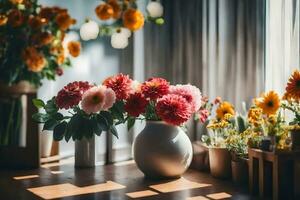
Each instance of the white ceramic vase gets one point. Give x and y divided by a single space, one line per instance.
162 150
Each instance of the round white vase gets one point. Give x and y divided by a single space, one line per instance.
162 150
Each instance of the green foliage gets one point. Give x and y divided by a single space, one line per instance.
79 124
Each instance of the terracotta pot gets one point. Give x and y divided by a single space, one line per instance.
162 150
220 162
240 171
295 136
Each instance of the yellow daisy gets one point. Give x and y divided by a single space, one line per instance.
268 102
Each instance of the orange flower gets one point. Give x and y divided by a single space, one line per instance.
116 8
15 18
74 48
133 19
60 59
42 38
34 60
16 1
64 20
36 22
3 20
269 102
293 86
223 109
104 11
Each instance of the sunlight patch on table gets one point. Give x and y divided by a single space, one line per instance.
25 177
177 185
140 194
197 198
221 195
67 189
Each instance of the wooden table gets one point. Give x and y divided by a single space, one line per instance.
258 161
15 185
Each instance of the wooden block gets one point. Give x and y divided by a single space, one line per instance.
177 185
140 194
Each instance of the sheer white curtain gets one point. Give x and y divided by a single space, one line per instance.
282 42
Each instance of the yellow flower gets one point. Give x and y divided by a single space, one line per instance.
133 19
224 108
34 60
228 116
268 102
74 48
255 116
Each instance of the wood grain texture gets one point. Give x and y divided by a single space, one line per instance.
87 184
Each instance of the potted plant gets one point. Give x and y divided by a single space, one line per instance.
161 146
201 158
222 127
31 49
291 103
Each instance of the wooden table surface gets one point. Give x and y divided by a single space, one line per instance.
92 183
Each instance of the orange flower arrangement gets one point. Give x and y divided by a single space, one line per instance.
74 48
268 102
223 109
133 19
293 87
35 34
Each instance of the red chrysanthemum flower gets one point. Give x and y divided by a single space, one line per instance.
136 104
71 94
155 88
173 109
120 84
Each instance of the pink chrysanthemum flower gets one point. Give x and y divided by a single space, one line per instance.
173 109
93 100
191 93
155 88
120 84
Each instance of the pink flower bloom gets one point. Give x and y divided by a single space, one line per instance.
173 109
217 100
110 98
203 115
120 84
93 99
191 93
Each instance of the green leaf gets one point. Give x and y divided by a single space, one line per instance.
96 127
57 116
108 117
74 127
117 110
59 131
51 107
114 131
102 123
40 117
38 103
50 124
130 123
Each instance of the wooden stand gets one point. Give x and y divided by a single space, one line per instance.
281 167
27 156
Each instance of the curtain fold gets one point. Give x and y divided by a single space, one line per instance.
217 45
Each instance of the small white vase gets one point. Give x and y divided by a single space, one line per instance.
46 143
162 150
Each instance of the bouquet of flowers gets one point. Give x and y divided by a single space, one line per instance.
31 41
120 18
93 109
